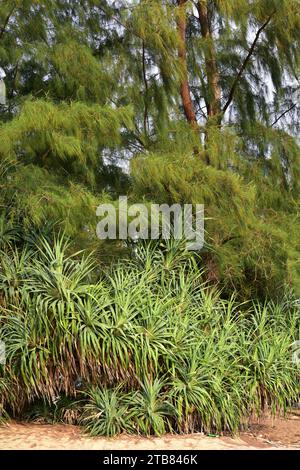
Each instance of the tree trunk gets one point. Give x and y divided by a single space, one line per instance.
213 101
184 87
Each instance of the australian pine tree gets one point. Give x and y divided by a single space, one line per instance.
60 115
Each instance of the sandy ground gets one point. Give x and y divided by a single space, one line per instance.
265 434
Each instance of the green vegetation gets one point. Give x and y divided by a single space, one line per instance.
202 97
165 101
142 347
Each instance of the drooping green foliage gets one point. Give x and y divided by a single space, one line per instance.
211 85
59 121
144 347
248 246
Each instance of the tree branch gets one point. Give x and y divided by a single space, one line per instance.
245 63
283 114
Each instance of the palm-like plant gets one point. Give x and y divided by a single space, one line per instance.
57 276
153 347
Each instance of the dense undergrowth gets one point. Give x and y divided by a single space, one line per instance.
141 347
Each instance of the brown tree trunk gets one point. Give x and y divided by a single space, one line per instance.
185 91
213 103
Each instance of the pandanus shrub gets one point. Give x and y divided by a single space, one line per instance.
143 346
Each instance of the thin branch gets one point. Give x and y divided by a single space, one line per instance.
283 114
2 30
245 63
